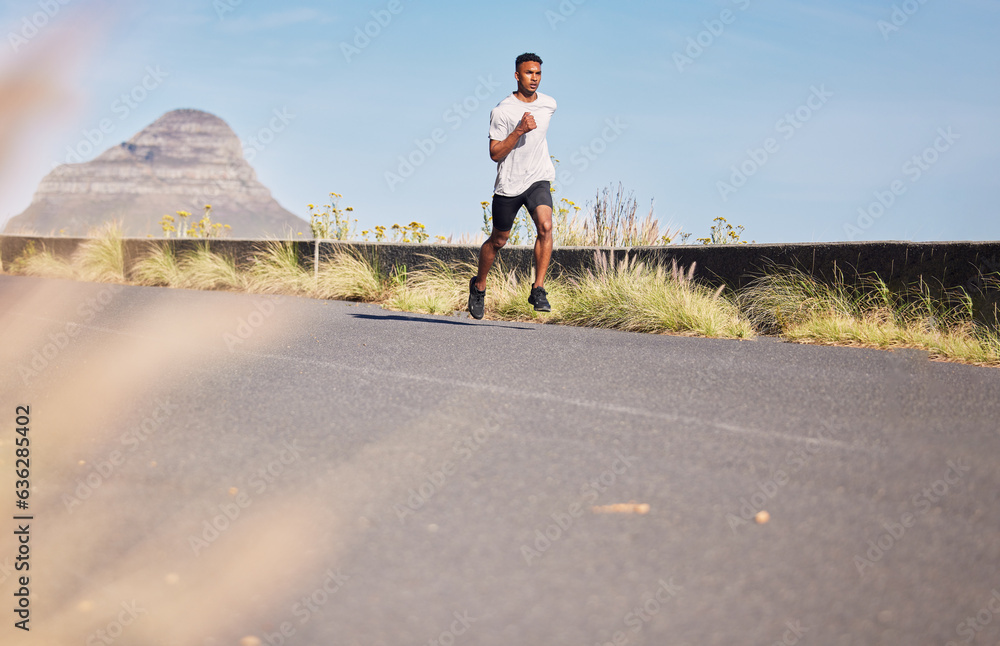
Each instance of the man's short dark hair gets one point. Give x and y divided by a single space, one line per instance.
527 57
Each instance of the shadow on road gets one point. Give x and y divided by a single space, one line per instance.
417 319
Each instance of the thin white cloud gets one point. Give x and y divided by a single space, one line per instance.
185 19
277 20
857 16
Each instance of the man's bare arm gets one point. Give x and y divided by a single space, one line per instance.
500 149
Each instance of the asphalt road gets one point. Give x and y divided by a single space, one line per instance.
207 468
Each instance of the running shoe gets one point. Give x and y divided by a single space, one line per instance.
539 299
477 300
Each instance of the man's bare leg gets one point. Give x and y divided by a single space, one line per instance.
488 255
543 243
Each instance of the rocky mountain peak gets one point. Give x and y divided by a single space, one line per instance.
181 162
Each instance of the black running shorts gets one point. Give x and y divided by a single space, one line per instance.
505 208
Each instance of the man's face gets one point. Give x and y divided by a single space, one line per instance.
528 75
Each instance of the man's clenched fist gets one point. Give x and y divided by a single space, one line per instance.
527 123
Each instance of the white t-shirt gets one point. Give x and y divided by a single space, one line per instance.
529 161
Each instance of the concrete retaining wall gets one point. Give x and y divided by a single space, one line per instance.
946 264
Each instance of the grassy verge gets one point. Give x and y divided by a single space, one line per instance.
159 269
435 289
626 296
633 296
353 276
799 308
42 263
277 269
102 259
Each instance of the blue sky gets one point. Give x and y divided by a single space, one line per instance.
801 121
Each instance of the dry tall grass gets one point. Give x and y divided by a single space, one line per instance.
102 258
802 309
610 221
277 269
632 296
628 295
351 275
204 269
159 269
43 264
437 288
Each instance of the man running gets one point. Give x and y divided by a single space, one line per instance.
524 172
